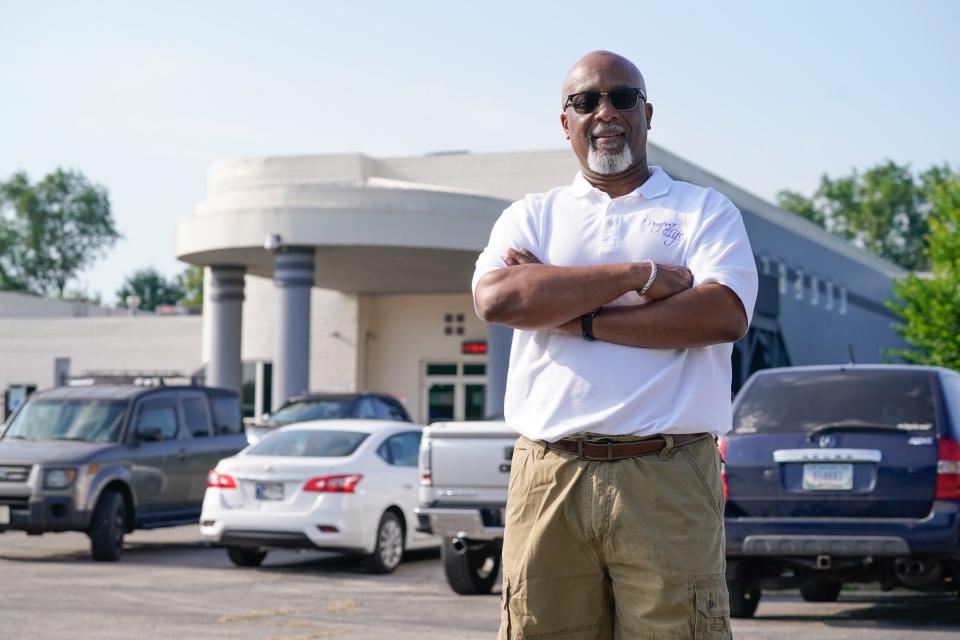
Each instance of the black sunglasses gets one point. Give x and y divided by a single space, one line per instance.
624 99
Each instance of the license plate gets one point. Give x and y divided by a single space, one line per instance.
4 514
827 477
269 491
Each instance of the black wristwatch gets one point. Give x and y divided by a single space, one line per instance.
586 324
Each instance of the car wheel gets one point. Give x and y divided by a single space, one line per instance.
817 590
744 598
246 556
472 571
388 551
107 527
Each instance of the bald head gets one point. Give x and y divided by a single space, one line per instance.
589 70
608 134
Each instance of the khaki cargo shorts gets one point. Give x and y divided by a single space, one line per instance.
629 549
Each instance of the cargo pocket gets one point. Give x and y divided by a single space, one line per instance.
711 617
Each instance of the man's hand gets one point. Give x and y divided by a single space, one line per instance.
671 280
531 295
516 257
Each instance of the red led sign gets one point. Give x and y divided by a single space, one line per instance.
474 347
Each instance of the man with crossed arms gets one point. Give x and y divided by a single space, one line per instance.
625 290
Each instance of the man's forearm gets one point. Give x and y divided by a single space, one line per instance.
699 317
538 296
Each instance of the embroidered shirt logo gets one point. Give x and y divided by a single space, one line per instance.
671 232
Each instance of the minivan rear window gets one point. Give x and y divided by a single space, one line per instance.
801 401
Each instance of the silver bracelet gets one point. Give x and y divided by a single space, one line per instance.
653 276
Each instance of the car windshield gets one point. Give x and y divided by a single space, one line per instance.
86 420
303 410
807 401
309 443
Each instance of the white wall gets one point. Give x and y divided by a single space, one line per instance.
406 331
28 347
14 304
334 341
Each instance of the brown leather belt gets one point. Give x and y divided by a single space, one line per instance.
599 449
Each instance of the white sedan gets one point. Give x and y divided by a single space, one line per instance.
347 485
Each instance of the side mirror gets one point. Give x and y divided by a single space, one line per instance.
149 434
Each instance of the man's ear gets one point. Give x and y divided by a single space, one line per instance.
565 124
648 109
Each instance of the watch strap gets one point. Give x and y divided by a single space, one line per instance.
586 325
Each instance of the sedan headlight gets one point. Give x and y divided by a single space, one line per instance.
59 478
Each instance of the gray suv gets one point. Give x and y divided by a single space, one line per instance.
110 459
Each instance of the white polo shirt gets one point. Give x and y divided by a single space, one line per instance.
559 385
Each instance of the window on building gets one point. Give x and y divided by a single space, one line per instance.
248 389
453 324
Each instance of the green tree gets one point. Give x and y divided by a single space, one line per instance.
191 283
151 287
883 210
51 230
929 304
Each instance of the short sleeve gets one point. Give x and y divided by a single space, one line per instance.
720 252
515 229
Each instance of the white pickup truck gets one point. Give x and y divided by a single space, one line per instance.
464 471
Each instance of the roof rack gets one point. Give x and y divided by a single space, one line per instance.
135 378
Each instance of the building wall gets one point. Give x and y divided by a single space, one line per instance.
14 304
28 347
407 331
333 333
334 341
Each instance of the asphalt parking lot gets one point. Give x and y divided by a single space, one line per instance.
168 585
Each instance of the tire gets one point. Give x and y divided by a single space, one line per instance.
246 556
388 551
473 572
744 598
818 590
107 527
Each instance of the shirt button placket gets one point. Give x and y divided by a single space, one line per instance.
609 232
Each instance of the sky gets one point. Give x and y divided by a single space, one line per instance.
144 97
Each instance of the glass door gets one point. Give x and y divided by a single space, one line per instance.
454 391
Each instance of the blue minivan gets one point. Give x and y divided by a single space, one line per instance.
843 474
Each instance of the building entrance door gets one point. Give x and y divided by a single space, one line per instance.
454 390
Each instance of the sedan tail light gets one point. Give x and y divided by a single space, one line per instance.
333 484
723 467
217 480
948 469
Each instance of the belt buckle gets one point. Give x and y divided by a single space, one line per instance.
583 456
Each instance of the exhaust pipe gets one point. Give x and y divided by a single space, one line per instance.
459 546
919 574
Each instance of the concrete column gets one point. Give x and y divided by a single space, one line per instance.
293 276
499 339
225 306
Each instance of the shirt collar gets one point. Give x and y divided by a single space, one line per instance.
657 184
